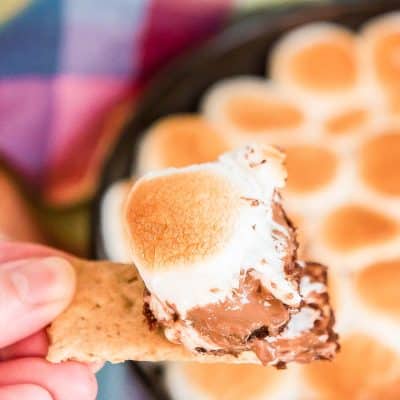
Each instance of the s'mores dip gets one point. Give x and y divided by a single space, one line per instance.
217 255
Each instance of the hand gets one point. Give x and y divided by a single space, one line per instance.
36 285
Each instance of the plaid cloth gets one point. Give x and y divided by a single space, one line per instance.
71 70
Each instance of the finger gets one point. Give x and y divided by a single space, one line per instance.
24 392
65 381
32 293
11 251
33 346
96 366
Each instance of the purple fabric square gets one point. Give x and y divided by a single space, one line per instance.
100 37
79 105
25 119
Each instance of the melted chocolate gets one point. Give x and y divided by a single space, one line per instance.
236 327
232 322
252 319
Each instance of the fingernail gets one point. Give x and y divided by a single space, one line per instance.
42 280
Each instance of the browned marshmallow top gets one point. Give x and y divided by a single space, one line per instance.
179 218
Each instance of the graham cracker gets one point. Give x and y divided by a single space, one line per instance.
105 322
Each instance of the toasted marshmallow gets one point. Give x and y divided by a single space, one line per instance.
317 61
222 381
374 366
377 286
249 109
113 231
195 230
380 46
178 141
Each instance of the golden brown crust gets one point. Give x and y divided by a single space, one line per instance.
179 141
380 162
347 121
309 167
330 64
384 53
378 286
256 113
181 218
231 382
354 226
374 371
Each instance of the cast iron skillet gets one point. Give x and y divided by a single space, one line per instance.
239 50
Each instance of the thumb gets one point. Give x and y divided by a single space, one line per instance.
32 293
24 391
